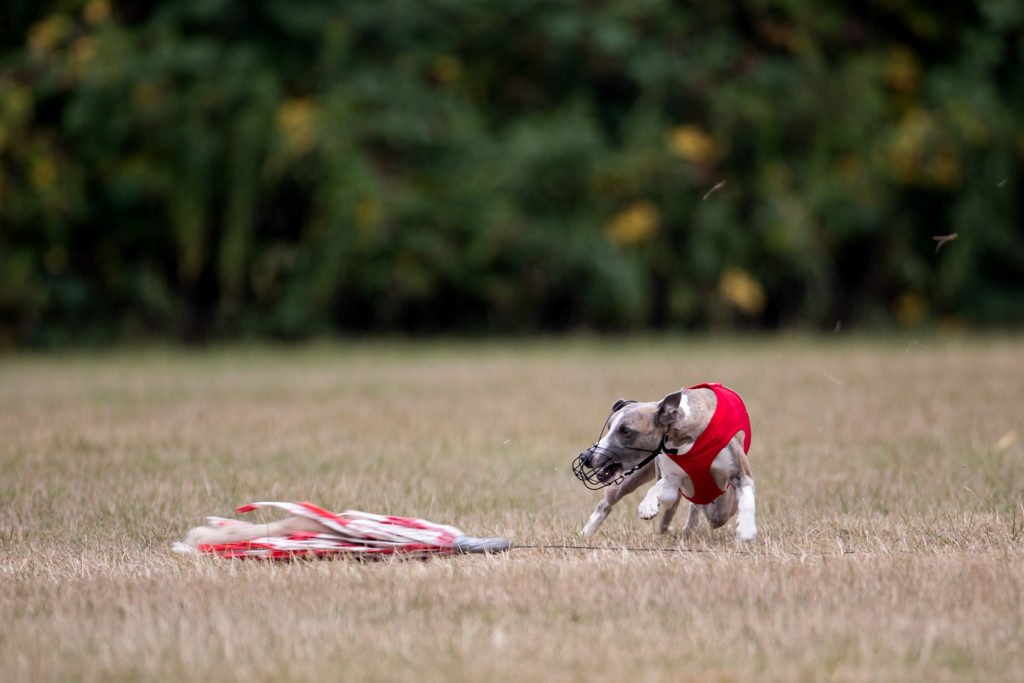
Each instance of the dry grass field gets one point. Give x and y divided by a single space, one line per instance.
890 507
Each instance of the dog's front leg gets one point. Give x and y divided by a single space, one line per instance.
664 491
652 501
665 525
666 519
601 512
614 494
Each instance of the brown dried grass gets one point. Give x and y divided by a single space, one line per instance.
890 514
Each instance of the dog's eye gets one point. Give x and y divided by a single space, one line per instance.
624 430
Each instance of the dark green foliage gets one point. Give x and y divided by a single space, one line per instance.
203 168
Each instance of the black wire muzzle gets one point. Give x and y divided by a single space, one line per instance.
596 478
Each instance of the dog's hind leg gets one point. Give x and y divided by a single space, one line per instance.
746 526
692 519
722 509
616 493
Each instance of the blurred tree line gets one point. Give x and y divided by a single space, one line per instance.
220 168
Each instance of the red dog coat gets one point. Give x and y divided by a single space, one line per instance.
730 417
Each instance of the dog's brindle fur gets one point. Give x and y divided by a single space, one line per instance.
680 418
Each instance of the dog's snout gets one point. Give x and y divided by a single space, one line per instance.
585 456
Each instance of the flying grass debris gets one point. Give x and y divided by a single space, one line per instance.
1008 439
940 240
718 186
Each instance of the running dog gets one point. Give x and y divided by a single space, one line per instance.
694 441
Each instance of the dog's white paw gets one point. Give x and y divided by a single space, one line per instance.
648 508
746 530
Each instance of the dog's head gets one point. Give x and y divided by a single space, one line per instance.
632 435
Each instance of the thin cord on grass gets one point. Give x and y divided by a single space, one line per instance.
648 550
608 547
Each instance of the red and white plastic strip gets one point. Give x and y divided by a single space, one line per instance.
354 533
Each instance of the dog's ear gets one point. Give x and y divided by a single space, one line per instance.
668 408
620 403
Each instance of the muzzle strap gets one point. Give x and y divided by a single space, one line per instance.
596 479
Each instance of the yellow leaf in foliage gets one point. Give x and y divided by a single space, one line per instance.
296 119
82 51
147 94
739 288
46 34
910 309
366 214
945 167
922 152
692 143
637 223
43 172
96 11
447 69
15 103
902 72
